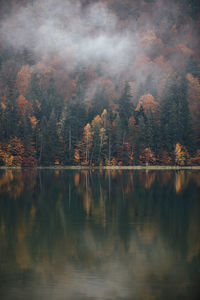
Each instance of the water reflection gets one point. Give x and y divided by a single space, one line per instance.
99 235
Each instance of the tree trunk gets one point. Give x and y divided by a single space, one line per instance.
70 139
109 150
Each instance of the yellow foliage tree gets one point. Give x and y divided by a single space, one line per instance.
85 145
182 156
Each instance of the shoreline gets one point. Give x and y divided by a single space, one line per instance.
104 168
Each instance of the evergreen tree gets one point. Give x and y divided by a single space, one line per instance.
81 85
11 118
153 132
99 102
107 118
192 67
142 133
96 129
1 123
185 123
51 99
74 118
176 122
49 140
125 108
34 89
150 87
117 139
169 120
25 128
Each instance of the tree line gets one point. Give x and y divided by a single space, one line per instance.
44 129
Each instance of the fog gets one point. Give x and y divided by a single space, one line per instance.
155 38
64 28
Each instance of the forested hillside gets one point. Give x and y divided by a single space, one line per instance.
110 82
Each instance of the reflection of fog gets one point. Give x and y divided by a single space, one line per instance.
83 235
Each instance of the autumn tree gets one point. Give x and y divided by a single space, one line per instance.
182 156
99 140
85 145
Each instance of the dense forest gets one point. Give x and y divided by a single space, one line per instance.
99 82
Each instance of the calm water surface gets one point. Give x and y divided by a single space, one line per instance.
99 235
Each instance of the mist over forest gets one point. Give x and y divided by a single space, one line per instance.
106 82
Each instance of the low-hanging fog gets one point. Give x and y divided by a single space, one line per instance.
130 39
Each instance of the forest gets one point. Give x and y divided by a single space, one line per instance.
97 83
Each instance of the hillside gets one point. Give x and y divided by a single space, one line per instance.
99 82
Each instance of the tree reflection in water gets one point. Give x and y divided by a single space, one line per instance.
99 235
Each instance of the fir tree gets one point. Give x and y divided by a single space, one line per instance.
125 107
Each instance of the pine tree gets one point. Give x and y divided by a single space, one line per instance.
1 123
125 107
117 138
176 122
96 129
99 102
169 121
73 120
49 140
185 124
192 67
150 87
25 129
106 149
11 117
153 132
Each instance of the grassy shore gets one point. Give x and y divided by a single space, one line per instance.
108 167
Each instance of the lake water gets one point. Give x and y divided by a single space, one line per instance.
99 235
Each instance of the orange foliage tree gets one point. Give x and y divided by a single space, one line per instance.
23 78
148 157
182 156
84 147
165 158
195 160
23 105
148 103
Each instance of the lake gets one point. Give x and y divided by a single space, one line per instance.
68 234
